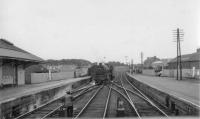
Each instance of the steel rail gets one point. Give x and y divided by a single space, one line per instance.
131 91
51 112
151 103
30 112
136 88
107 101
84 91
124 96
130 99
88 102
85 87
146 98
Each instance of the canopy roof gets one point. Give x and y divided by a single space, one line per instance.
9 51
188 58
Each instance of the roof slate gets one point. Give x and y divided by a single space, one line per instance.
8 50
188 57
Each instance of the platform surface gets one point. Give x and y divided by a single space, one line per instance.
187 90
16 92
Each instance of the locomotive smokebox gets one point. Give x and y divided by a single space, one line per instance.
102 74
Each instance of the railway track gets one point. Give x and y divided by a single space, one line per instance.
129 109
101 101
143 106
97 105
43 111
159 108
51 107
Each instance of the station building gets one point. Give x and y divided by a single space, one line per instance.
188 61
13 62
190 64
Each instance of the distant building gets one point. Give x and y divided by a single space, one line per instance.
148 62
189 61
13 62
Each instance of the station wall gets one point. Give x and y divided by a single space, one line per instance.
44 77
186 73
8 74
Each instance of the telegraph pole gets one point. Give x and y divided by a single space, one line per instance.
131 66
178 34
142 59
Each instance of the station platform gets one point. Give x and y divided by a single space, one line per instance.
13 93
186 90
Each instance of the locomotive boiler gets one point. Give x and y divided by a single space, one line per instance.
101 74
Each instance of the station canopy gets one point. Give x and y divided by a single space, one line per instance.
9 51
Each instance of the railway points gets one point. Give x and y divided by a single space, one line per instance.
94 104
143 105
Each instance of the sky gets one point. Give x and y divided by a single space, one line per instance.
98 30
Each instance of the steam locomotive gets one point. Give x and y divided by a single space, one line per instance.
101 74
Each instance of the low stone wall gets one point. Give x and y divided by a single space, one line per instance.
44 77
174 104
